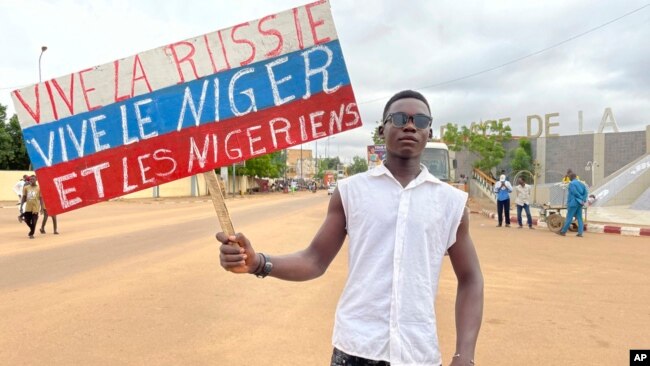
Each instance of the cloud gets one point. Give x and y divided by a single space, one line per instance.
388 46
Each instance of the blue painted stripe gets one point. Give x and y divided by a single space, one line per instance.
159 112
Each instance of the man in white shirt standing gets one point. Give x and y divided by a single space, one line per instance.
18 188
386 314
523 202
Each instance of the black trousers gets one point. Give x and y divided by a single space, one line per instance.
31 218
340 358
501 207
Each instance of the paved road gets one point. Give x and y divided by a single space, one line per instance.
138 283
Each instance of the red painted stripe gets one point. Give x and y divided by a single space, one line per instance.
612 229
149 162
645 231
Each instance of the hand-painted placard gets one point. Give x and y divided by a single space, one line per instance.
187 107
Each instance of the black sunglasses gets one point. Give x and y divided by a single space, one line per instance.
400 119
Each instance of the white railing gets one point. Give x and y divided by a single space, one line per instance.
484 183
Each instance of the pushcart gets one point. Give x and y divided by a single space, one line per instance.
554 213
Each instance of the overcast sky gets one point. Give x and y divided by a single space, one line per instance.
388 46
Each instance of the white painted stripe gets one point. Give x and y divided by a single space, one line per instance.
595 228
630 231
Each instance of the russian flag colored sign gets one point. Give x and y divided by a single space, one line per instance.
187 107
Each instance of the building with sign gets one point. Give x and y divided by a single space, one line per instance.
301 164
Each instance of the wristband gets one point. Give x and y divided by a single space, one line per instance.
265 269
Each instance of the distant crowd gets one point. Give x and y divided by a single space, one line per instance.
577 200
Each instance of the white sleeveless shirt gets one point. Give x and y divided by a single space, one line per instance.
397 240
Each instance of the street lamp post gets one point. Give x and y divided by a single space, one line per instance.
327 151
591 165
43 49
327 148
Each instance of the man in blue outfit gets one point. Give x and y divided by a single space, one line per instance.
503 188
577 198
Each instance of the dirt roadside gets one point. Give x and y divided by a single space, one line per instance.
138 283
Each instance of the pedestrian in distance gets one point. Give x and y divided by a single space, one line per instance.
32 200
566 179
18 189
503 188
575 202
385 315
523 202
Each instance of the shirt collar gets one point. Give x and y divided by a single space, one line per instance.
424 175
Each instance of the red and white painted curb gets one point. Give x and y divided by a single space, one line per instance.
589 227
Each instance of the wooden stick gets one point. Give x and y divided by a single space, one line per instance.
215 186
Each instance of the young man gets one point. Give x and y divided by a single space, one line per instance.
33 201
386 315
523 202
577 199
503 188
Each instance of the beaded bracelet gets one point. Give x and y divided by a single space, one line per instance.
471 362
261 264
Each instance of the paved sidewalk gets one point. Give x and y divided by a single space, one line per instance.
622 215
591 227
611 220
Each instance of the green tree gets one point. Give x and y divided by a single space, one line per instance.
13 155
525 144
265 166
376 139
455 138
359 165
3 113
329 163
522 156
7 149
21 159
326 164
485 139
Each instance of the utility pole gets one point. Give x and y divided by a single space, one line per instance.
316 160
285 167
43 49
